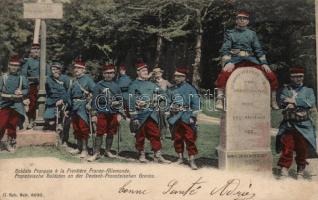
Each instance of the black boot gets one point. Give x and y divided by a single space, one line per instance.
109 143
11 142
84 152
78 148
301 172
98 144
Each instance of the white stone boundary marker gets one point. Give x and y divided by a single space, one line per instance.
245 141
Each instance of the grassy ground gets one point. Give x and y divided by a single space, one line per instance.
208 139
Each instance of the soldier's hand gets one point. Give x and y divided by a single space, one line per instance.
290 106
26 101
119 117
66 113
59 102
192 121
266 68
229 67
94 118
18 92
290 100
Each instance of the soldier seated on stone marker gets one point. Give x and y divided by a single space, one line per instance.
14 88
296 131
57 99
240 48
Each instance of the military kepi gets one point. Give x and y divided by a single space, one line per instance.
296 71
122 67
243 13
35 46
109 67
14 60
141 65
181 71
79 63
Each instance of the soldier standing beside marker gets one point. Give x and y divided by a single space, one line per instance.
144 119
296 132
80 94
14 88
184 109
108 103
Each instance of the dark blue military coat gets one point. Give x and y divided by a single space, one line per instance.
56 90
186 96
102 101
8 84
243 40
78 97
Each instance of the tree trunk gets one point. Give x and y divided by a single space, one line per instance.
158 49
197 60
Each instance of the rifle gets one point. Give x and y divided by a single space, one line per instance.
156 106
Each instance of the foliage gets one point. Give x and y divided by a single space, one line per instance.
124 31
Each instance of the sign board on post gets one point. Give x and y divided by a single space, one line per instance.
43 10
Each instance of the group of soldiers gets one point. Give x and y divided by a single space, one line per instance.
96 109
146 101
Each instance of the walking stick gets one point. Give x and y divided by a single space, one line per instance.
118 139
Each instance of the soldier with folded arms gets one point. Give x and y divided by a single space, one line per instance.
185 105
296 131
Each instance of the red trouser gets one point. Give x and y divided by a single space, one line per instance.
33 96
9 121
293 141
149 130
107 124
183 133
81 128
224 76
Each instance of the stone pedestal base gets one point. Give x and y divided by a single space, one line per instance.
245 160
36 138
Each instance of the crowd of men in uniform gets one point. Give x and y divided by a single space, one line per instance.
82 102
96 109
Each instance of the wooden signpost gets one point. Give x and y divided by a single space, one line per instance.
40 11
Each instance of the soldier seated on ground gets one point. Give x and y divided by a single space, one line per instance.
242 48
57 99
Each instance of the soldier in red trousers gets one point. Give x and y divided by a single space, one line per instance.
14 88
